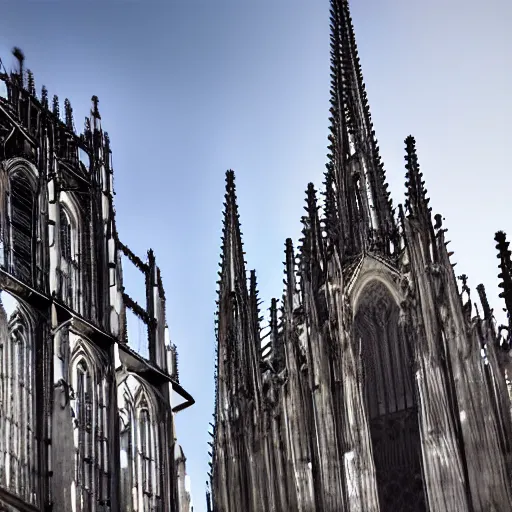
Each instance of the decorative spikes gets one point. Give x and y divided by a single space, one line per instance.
313 246
233 268
352 140
175 368
68 111
55 107
254 304
331 210
277 347
416 195
291 283
336 79
505 275
31 85
485 303
44 96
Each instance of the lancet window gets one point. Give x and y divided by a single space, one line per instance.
127 465
22 202
147 463
69 271
18 448
65 235
145 451
140 459
390 401
90 438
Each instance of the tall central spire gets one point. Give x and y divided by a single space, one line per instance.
359 212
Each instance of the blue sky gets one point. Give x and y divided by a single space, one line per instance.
189 89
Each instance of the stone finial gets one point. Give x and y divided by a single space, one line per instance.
44 96
31 85
68 111
94 110
56 108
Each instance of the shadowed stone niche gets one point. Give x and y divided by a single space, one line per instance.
390 401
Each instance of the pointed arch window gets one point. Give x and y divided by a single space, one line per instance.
18 445
65 235
22 225
390 400
92 477
145 451
69 271
148 459
127 467
84 421
141 472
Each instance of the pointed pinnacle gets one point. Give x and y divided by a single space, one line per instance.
417 200
485 303
505 266
56 109
94 111
31 86
44 96
232 261
68 112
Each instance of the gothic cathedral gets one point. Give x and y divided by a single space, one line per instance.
86 422
386 388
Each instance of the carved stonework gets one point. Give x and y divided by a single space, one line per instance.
395 397
62 348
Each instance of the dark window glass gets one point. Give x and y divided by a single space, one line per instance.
65 235
22 209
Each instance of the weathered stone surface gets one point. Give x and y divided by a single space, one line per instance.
86 423
381 390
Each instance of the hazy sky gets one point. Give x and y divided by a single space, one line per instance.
189 89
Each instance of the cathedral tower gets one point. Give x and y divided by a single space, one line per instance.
86 422
385 390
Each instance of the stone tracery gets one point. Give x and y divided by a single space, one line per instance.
63 346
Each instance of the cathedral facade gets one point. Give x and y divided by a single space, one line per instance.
86 422
382 385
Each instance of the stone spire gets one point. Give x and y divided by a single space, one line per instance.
417 202
238 386
68 110
356 197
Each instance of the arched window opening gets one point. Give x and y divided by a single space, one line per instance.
22 223
18 445
145 451
65 235
126 456
92 477
148 460
141 473
390 401
84 470
69 285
